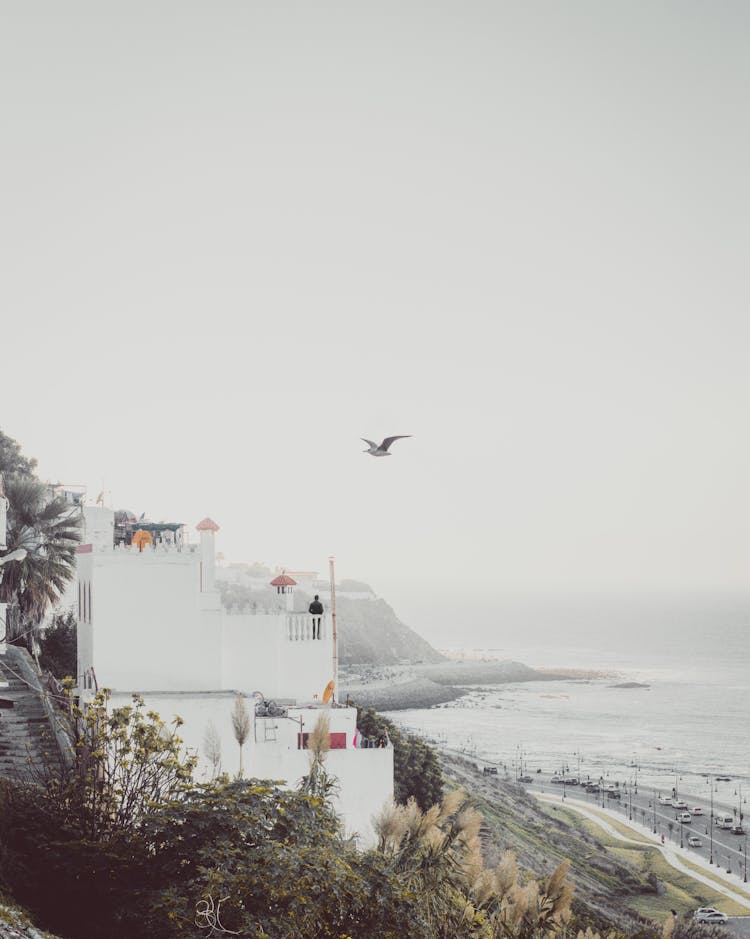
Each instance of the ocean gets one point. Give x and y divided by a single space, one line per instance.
691 724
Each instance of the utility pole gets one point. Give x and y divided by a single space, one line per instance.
654 805
333 625
711 823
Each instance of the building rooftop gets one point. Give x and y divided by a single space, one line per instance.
283 580
208 524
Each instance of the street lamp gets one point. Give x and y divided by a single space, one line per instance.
744 862
654 805
18 555
711 824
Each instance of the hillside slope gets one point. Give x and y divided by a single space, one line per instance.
516 821
371 633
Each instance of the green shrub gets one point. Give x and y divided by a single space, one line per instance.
416 767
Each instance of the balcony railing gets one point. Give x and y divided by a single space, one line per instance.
300 627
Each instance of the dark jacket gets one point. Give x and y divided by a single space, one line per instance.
316 607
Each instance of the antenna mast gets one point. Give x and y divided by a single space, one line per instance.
333 623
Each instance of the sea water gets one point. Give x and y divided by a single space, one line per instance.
689 724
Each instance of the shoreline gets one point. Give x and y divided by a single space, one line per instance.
411 687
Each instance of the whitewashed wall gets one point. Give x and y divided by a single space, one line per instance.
365 777
149 629
258 655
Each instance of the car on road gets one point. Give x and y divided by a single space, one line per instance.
665 800
695 842
684 818
524 779
738 830
697 810
678 804
592 787
712 918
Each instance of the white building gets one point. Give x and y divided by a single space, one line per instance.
150 621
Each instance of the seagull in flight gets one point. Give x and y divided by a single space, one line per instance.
381 449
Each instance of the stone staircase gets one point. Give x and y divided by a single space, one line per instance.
24 727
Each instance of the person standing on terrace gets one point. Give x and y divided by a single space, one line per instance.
316 608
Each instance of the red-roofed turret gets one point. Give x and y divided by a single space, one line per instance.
208 524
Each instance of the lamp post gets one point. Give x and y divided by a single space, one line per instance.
740 813
654 805
711 824
744 862
18 554
332 576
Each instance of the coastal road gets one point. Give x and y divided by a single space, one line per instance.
719 847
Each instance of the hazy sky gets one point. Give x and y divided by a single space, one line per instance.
238 236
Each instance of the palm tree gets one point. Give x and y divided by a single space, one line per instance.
48 530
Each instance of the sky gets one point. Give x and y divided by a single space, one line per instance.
236 237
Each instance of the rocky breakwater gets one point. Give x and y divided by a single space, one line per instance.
421 686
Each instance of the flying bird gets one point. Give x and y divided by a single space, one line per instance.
381 449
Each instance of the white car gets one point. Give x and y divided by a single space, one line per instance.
713 918
684 818
697 810
678 804
695 842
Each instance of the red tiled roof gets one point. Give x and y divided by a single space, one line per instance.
283 580
208 524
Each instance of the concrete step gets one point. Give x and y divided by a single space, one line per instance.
24 728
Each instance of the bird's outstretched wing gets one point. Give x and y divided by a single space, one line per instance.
389 440
371 442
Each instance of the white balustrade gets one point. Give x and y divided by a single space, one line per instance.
299 627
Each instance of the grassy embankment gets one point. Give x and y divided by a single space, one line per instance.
681 891
617 884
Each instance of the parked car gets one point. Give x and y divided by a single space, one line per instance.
697 810
738 830
713 917
684 818
695 842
